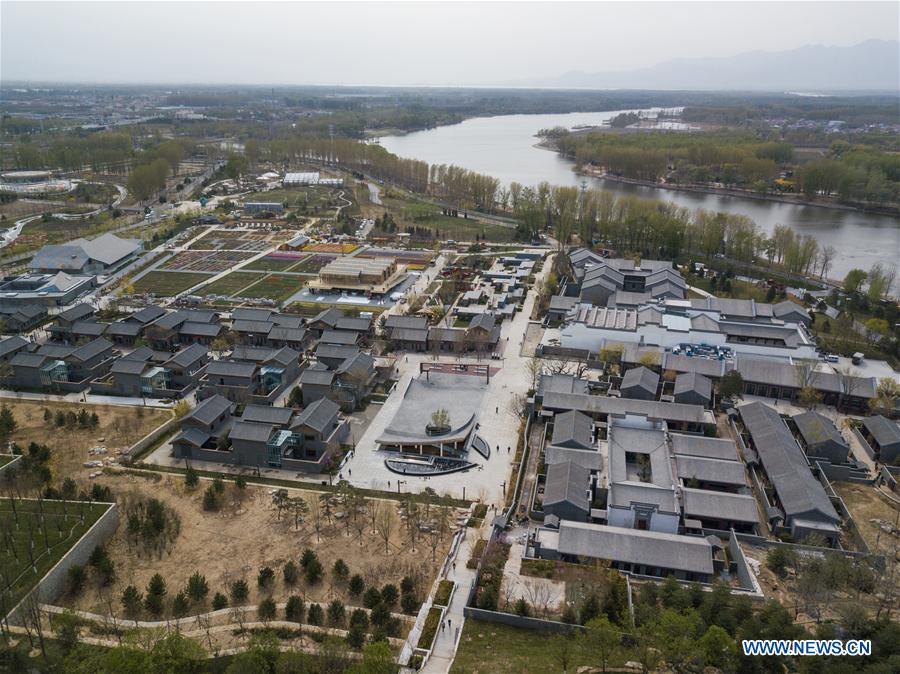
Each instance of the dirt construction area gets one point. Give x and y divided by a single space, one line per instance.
249 532
118 428
873 513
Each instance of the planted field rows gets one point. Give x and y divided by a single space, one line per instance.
36 535
168 283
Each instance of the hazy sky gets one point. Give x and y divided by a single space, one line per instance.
402 42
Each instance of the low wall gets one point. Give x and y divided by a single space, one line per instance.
867 448
844 472
53 583
523 622
889 476
10 464
745 574
164 428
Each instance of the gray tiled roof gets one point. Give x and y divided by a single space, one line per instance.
288 320
336 351
227 368
317 376
89 328
245 430
55 350
92 349
76 313
651 548
800 494
573 429
640 378
200 329
411 322
561 383
107 248
698 445
11 345
210 409
483 321
361 364
688 382
147 314
710 470
124 329
410 335
338 337
252 314
266 414
885 431
286 334
192 436
67 257
717 505
284 356
816 428
188 355
128 366
353 324
144 353
28 360
567 482
318 415
257 327
254 354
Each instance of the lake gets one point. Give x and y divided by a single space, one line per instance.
504 147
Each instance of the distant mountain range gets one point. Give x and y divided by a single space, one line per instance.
873 65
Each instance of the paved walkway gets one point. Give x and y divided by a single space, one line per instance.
447 639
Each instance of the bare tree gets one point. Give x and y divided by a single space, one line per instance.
315 514
534 367
826 255
384 523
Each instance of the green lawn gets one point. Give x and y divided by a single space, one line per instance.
276 287
740 290
228 285
492 648
168 283
60 526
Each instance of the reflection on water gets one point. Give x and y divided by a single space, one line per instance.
504 147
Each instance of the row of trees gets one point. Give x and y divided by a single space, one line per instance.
728 157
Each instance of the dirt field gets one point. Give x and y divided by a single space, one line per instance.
119 427
247 535
866 506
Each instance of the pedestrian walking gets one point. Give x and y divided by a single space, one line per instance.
443 626
454 566
450 623
349 471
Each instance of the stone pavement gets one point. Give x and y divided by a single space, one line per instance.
447 638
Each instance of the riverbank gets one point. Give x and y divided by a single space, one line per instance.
599 174
731 192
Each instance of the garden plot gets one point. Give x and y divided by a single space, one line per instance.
277 262
37 534
277 287
312 264
230 284
205 261
340 248
168 283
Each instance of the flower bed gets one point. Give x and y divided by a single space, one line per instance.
444 592
429 630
